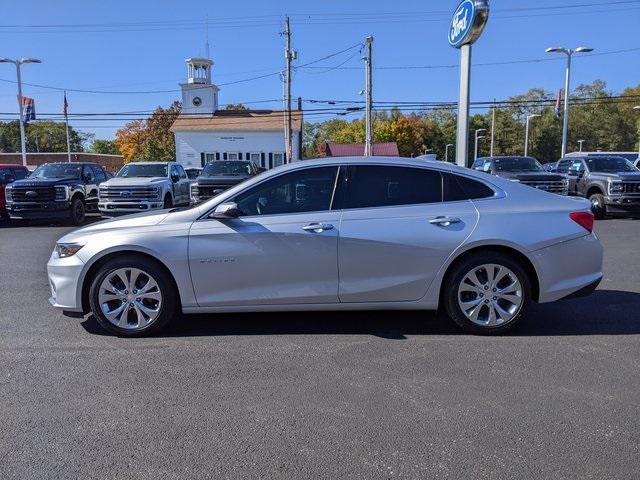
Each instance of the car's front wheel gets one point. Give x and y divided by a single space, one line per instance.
131 296
77 213
598 206
487 293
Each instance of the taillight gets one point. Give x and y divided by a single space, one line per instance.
584 219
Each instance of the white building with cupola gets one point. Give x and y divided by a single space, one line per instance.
205 133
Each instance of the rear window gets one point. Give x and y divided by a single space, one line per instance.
458 188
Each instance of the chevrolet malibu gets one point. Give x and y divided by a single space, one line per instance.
336 234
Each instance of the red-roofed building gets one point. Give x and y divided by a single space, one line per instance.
384 149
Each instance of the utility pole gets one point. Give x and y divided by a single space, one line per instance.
493 127
18 63
368 144
289 55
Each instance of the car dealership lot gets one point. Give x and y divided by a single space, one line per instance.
363 395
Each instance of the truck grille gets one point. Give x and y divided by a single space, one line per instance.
21 193
552 186
631 187
128 194
208 191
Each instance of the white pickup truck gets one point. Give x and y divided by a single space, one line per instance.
143 186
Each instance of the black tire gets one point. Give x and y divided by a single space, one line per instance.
455 276
168 307
168 201
78 210
598 206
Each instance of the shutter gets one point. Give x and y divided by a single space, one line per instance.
248 156
262 162
202 159
217 155
239 155
270 160
224 156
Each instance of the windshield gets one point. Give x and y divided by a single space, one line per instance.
192 173
57 170
517 164
143 170
609 164
232 168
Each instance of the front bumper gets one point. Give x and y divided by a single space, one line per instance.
64 280
568 267
114 208
619 204
34 211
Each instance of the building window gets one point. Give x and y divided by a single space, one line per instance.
232 156
278 159
255 157
209 157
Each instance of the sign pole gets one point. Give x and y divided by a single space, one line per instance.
462 135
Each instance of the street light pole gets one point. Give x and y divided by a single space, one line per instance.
446 151
526 133
368 138
18 63
637 108
475 150
567 82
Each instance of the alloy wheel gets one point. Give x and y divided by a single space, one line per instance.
130 298
490 295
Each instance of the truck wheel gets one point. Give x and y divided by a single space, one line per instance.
487 293
76 217
132 296
168 201
598 206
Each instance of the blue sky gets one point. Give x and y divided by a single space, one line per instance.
88 48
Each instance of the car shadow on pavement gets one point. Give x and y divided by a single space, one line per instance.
605 312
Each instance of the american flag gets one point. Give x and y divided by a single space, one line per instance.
28 109
65 106
558 103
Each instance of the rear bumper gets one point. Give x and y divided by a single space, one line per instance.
48 210
569 267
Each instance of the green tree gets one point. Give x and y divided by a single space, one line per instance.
105 147
235 106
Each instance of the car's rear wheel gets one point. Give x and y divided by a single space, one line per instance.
487 293
598 206
132 297
77 213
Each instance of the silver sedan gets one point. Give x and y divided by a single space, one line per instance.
336 234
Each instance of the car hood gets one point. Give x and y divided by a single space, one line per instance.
624 176
136 220
221 179
44 182
531 176
132 181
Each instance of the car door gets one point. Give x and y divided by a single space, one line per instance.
396 232
90 185
281 250
576 174
183 184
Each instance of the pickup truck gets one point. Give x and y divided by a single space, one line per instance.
612 184
144 186
9 174
56 191
220 175
526 170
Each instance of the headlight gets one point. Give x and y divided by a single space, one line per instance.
62 192
616 187
7 194
65 250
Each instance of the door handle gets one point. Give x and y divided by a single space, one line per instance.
444 221
317 227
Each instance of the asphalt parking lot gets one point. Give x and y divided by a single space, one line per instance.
326 395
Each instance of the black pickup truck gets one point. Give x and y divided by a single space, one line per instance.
611 183
220 175
526 170
56 191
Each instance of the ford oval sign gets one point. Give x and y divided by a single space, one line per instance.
468 22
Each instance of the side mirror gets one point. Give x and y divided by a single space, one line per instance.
175 178
226 210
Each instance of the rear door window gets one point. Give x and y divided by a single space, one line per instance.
457 187
381 186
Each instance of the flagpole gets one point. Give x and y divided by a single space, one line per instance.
66 123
